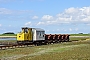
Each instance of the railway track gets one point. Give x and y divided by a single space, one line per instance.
12 46
9 45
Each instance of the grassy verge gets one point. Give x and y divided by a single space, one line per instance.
64 51
61 51
6 41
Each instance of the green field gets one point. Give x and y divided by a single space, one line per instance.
79 50
79 34
7 34
69 34
6 41
78 38
76 50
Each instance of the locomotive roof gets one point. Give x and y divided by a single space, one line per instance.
38 29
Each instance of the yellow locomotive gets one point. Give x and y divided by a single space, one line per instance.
37 36
31 36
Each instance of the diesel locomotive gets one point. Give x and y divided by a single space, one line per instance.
37 36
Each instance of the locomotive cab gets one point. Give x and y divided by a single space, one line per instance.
25 34
30 35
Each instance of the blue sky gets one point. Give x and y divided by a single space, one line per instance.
54 16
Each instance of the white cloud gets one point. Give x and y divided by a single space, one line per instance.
36 0
70 29
47 30
28 24
5 0
70 15
21 1
47 23
73 29
47 17
85 10
58 30
10 25
88 24
35 17
5 11
76 29
40 23
65 30
71 10
8 11
0 25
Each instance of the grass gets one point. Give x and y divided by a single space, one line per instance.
79 50
78 38
16 52
79 34
70 34
61 51
64 51
3 41
85 36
